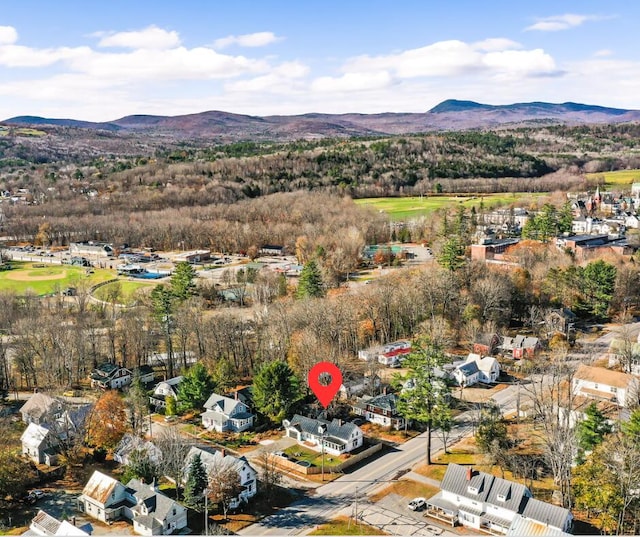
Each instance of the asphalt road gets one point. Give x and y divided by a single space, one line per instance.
330 499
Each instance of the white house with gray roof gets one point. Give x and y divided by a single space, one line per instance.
216 461
338 437
39 444
484 502
476 369
226 414
41 408
163 390
150 511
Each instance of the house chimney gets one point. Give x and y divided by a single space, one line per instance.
236 395
384 391
223 452
73 520
469 473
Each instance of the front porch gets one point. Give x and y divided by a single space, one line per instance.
442 510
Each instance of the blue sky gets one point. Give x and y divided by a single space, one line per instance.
104 60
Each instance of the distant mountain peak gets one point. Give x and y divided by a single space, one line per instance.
455 105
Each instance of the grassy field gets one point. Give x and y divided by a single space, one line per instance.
41 280
619 178
21 131
125 292
415 206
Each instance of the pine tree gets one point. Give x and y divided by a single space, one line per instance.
182 281
276 391
310 285
196 483
195 388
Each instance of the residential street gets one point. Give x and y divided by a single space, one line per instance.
332 498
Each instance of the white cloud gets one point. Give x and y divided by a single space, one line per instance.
8 35
496 43
20 56
151 37
351 82
258 39
555 23
602 53
283 79
521 62
456 58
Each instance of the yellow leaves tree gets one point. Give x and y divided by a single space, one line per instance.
108 421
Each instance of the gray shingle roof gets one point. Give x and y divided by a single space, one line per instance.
385 401
546 513
158 504
456 480
226 404
336 429
513 493
468 368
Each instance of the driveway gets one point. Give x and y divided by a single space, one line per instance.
392 516
63 505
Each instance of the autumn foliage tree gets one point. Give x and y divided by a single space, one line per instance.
108 421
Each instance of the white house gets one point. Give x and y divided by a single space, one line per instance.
215 461
39 444
338 437
151 512
487 369
226 414
41 408
44 524
110 377
389 354
130 444
484 502
606 385
467 374
163 390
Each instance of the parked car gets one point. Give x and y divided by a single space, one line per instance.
35 495
417 504
71 393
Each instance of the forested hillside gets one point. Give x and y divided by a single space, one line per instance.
160 192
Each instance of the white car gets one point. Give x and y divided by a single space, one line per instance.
417 504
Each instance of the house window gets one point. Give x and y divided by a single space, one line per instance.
472 490
595 386
502 498
614 389
174 511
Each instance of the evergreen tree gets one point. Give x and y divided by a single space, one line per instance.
196 483
592 429
195 388
452 254
182 281
310 283
172 406
424 396
140 466
276 391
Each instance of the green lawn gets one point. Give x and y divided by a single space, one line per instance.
619 178
125 292
416 206
300 453
41 280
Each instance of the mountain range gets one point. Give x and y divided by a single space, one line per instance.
449 115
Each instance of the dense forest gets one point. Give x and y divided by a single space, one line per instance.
160 192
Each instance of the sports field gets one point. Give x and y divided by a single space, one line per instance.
618 178
416 206
34 277
124 291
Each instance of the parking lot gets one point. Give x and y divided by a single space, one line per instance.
392 516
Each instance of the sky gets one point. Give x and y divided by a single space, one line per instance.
100 61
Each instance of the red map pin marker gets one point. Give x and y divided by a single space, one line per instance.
325 393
